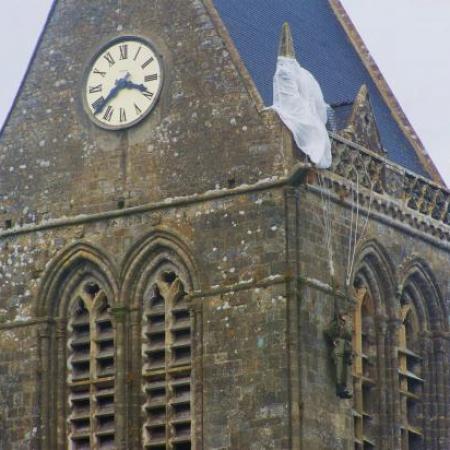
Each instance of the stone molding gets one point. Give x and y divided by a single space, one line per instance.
391 189
394 191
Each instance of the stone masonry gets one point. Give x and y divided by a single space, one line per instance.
212 185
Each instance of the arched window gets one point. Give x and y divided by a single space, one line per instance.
118 357
166 363
410 376
364 368
91 374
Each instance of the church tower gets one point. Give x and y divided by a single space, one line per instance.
176 274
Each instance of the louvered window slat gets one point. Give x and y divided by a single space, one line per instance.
166 371
91 371
364 370
410 379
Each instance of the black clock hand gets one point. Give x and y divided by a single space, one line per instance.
111 95
119 85
139 87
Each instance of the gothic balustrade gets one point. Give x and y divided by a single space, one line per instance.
375 172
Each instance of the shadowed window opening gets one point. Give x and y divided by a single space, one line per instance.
169 277
166 370
411 382
364 369
91 370
91 289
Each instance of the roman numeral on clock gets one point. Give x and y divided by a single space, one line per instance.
110 59
151 77
123 83
97 72
147 62
123 115
108 113
124 51
94 89
137 53
147 94
96 105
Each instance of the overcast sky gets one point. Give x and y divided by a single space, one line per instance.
409 40
20 28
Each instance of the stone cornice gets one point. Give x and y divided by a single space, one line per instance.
168 203
396 195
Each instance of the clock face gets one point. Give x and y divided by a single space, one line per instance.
123 83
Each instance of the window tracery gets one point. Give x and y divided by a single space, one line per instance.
166 364
364 369
118 358
411 381
91 375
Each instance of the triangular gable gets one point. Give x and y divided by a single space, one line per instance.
361 126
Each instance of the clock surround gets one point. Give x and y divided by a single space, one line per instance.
123 82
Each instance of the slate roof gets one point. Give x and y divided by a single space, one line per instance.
322 47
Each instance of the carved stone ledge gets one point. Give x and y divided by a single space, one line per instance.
394 190
356 166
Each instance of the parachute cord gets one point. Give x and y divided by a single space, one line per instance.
350 238
327 223
356 239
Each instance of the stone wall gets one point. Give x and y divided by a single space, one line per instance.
235 240
20 378
395 237
205 133
254 371
208 170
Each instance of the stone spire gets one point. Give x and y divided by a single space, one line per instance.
286 47
362 125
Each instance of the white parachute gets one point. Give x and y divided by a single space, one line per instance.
299 102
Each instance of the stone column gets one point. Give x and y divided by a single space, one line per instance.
120 314
44 380
446 389
440 346
292 317
134 383
429 394
384 427
196 310
392 383
60 379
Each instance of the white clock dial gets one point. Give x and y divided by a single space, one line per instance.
123 83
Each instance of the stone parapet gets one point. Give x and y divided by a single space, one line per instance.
390 188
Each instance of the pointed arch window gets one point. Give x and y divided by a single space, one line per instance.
410 376
91 373
364 368
166 364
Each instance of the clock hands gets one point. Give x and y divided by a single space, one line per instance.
121 83
139 87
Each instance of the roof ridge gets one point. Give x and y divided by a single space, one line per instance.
236 57
386 92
